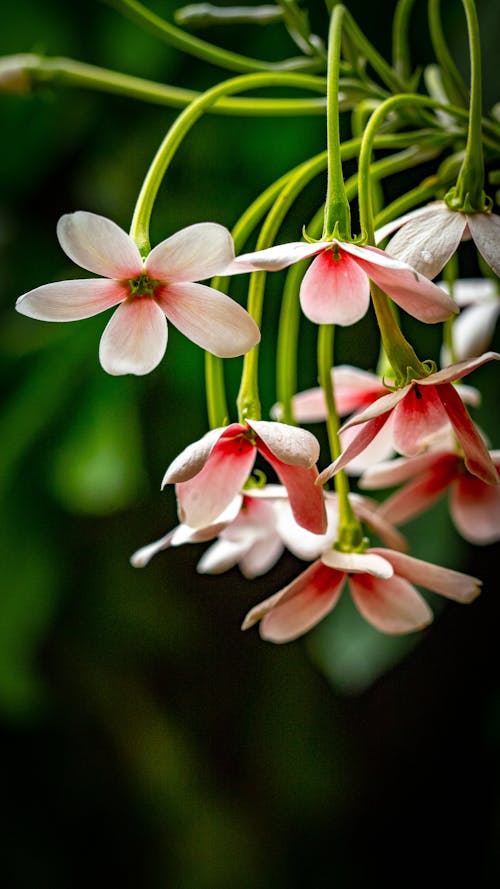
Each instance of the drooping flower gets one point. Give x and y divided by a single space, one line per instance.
420 410
336 289
472 332
211 471
474 506
428 237
147 292
380 582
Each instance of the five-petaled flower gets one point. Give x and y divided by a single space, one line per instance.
211 471
474 506
147 292
420 410
428 237
336 287
381 585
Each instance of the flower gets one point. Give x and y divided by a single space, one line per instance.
428 237
420 410
211 471
147 291
381 584
336 289
474 506
473 330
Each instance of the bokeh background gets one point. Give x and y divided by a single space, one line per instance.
146 742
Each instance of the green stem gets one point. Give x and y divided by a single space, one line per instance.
218 414
350 533
400 41
378 63
69 72
468 194
337 210
201 49
139 230
454 85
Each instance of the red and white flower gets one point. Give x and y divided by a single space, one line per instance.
474 505
147 292
420 410
336 288
380 582
428 237
211 471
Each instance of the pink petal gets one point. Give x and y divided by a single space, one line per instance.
421 493
418 417
358 563
306 498
475 509
193 458
459 370
71 300
291 445
452 584
334 291
299 606
476 456
369 513
355 387
366 435
261 557
206 495
192 254
272 259
380 448
99 245
135 338
428 242
209 318
382 405
393 472
485 231
392 606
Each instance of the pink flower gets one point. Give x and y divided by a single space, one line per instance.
474 506
147 291
381 584
420 410
336 288
211 471
428 237
473 330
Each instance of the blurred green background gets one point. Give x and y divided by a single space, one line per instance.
146 742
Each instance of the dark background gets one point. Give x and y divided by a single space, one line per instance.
146 742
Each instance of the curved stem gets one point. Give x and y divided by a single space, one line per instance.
350 533
201 49
400 42
378 63
337 210
454 85
139 229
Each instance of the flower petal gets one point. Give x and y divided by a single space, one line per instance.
142 556
485 231
421 493
475 510
472 291
272 259
393 472
334 290
452 584
261 557
428 242
291 445
193 458
476 456
417 418
473 330
459 370
71 300
302 543
308 508
99 245
421 213
207 494
135 338
369 513
222 556
192 254
299 606
364 563
209 318
380 448
366 435
392 606
352 386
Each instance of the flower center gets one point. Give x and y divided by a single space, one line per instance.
142 285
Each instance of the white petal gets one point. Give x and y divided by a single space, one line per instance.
358 563
221 556
192 254
469 291
427 243
71 300
209 318
301 542
385 230
135 338
99 245
485 231
474 328
272 259
261 557
291 445
142 556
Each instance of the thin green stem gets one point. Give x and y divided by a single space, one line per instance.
452 79
139 230
378 63
337 210
350 533
217 411
201 49
400 41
